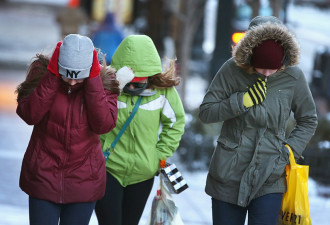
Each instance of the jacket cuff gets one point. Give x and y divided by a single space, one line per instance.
236 103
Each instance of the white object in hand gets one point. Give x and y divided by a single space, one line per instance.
124 75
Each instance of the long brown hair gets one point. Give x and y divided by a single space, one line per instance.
166 79
35 72
108 76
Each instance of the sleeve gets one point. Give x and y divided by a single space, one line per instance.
34 107
102 139
101 106
304 110
173 122
222 101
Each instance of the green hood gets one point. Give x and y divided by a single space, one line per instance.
139 53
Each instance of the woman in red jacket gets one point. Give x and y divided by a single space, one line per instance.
69 104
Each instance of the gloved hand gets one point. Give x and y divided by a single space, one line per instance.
53 62
96 68
256 94
124 75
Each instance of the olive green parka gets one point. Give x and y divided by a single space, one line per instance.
249 159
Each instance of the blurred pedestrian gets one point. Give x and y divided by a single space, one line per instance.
153 134
71 18
253 94
64 99
107 37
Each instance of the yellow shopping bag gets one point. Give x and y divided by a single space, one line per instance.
295 205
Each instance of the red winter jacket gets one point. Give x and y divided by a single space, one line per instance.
64 162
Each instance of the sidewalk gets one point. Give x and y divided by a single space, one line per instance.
29 29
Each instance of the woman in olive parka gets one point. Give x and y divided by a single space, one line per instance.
253 94
153 134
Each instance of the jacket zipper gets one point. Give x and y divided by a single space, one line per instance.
67 137
61 187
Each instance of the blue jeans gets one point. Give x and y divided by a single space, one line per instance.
261 211
43 212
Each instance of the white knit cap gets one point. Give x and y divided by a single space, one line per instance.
76 57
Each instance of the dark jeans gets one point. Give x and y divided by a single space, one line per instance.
43 212
122 205
261 211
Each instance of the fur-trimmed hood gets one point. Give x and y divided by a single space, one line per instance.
263 28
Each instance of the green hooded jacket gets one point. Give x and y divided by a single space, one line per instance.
156 129
249 159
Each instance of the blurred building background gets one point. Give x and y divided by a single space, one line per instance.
199 33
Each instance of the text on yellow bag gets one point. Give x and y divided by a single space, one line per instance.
295 205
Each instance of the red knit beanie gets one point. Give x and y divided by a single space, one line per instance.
268 55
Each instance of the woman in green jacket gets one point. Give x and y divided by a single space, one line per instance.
253 94
153 134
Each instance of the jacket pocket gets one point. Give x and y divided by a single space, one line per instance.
223 161
278 168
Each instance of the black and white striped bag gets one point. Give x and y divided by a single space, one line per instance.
173 179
